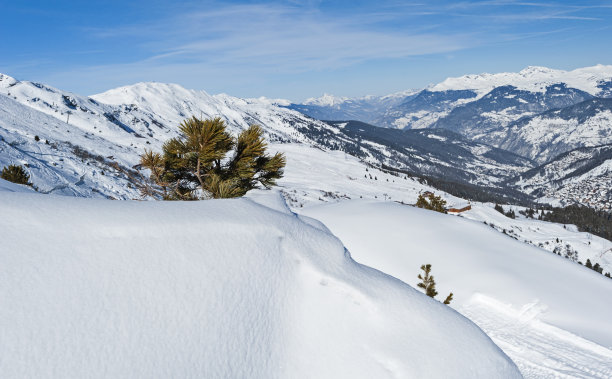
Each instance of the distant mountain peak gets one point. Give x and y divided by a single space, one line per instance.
131 94
7 81
538 70
531 78
326 100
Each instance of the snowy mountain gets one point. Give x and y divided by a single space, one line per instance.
532 79
505 104
581 176
509 96
436 152
424 109
538 112
475 104
544 136
366 109
69 141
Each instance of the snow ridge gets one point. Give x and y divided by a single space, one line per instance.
532 78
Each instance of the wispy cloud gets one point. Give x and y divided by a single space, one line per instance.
247 44
284 37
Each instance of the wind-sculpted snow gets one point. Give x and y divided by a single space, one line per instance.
223 288
544 311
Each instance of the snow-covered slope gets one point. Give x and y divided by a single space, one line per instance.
561 239
506 104
532 79
68 159
549 314
314 176
544 136
366 109
582 176
434 152
222 288
12 187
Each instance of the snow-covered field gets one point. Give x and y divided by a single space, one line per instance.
548 314
314 176
223 288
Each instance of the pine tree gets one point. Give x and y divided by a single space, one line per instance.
421 202
598 268
427 281
432 202
16 174
589 264
195 164
429 284
499 208
448 299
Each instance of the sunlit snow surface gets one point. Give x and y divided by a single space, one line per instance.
94 288
532 78
551 316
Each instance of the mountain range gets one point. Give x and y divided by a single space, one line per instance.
69 141
486 130
537 113
524 112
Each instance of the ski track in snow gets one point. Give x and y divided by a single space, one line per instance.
539 350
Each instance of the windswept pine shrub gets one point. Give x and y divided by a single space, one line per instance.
428 284
195 165
431 202
16 174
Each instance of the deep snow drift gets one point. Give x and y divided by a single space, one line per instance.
221 288
551 316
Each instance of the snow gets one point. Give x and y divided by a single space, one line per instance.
546 235
109 272
313 176
53 166
221 288
532 78
547 313
326 100
6 186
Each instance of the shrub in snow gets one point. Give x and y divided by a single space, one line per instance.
196 162
16 174
499 208
429 284
432 202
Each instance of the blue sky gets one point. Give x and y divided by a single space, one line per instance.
294 49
